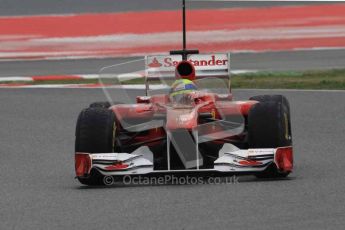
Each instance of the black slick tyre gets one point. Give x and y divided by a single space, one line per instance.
95 133
269 126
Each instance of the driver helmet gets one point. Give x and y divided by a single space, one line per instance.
180 91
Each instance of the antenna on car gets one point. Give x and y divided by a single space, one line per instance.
184 52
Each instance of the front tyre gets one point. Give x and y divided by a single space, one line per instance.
95 133
269 126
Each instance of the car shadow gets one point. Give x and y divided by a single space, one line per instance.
234 180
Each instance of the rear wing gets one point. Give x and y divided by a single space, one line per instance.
206 65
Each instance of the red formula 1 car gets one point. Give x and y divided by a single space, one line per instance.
203 131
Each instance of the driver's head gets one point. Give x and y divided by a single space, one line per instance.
180 90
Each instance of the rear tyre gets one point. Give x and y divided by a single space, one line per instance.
100 104
269 126
271 98
95 133
103 104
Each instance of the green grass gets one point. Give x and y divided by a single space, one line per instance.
324 79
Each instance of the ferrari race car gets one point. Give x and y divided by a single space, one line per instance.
186 123
206 132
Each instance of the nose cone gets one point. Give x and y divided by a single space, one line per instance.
185 70
181 119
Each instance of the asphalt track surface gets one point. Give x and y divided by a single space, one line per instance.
39 7
270 61
38 189
37 143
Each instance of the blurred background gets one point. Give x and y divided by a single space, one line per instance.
47 37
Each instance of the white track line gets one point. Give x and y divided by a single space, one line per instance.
96 76
9 79
142 87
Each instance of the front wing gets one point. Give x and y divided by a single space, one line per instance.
140 162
